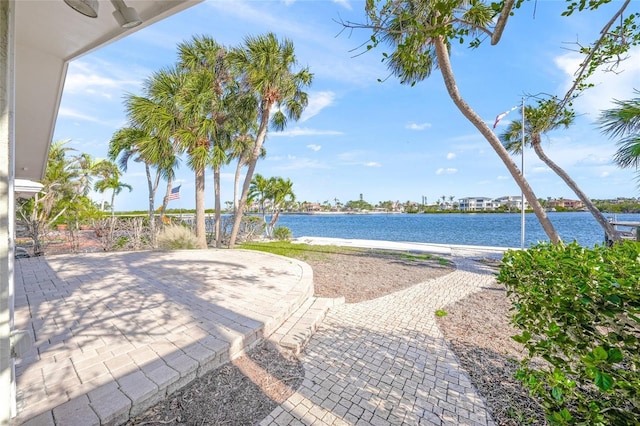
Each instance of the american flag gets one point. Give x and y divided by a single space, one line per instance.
175 193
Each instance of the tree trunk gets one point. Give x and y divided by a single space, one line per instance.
262 133
152 195
113 200
236 184
218 206
449 81
201 232
610 231
165 200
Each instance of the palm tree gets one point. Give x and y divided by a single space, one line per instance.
141 146
548 116
419 33
623 122
110 179
171 110
211 81
266 68
259 191
281 193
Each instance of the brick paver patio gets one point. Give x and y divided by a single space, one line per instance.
385 362
116 332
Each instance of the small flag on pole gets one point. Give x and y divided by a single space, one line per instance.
503 115
175 193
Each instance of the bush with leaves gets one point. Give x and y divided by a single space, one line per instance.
177 237
282 233
579 310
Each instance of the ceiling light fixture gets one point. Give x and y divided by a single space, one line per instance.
127 17
86 7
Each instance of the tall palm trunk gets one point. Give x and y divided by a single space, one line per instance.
152 201
609 230
255 154
236 183
218 206
165 200
201 232
449 81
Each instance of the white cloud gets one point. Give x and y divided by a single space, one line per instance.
314 147
416 126
604 174
317 102
451 156
502 177
448 171
343 3
82 78
373 164
294 163
608 85
305 131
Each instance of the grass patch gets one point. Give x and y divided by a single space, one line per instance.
298 251
441 313
306 252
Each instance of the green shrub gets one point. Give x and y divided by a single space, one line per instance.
579 310
282 233
176 237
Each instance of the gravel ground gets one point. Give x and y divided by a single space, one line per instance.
246 390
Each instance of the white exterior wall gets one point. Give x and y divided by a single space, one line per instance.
7 108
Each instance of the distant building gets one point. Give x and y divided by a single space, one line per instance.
566 204
476 204
513 202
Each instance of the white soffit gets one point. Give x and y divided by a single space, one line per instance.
48 35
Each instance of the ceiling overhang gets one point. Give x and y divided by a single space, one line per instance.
49 34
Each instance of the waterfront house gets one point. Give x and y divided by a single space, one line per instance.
476 204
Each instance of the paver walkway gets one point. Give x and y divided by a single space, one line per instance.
116 332
385 362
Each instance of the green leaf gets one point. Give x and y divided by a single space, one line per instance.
603 380
615 355
556 392
600 353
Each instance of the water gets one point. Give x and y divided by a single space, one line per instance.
494 229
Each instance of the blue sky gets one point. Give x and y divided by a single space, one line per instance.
361 136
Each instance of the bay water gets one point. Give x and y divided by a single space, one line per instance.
482 229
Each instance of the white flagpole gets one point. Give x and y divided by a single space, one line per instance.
522 224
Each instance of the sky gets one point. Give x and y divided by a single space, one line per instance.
363 133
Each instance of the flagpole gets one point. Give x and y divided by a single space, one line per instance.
522 209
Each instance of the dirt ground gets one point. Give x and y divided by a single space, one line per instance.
246 390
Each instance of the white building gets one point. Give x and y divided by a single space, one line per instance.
513 202
476 204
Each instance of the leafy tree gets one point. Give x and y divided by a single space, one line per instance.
421 35
358 205
539 120
65 184
623 122
265 65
